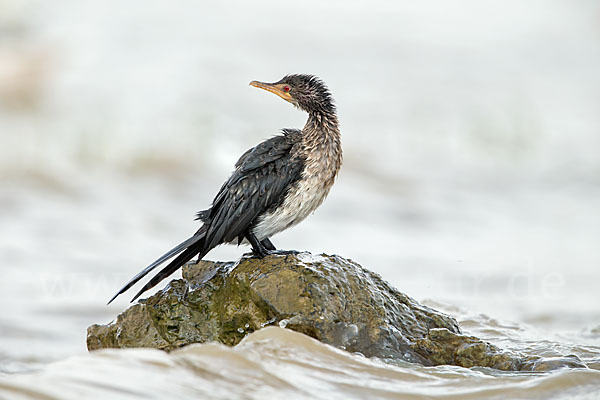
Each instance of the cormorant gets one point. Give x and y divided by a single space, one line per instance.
274 186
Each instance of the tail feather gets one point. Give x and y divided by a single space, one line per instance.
194 241
173 266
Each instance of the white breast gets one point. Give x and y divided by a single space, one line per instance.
301 201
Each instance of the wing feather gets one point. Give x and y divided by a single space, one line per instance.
262 177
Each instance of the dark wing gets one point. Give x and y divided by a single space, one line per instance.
260 181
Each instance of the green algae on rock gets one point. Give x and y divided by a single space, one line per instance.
329 298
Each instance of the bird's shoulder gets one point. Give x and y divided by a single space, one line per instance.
274 148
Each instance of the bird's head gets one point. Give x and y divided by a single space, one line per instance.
306 92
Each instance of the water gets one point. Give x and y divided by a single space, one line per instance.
275 362
471 182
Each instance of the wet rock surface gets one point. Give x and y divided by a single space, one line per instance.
329 298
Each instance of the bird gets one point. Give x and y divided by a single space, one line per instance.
274 186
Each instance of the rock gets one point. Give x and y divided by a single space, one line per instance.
329 298
445 347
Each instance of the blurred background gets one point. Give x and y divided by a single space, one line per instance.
471 136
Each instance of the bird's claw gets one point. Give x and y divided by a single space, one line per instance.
263 254
254 254
284 252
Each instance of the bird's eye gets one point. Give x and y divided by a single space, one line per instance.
286 88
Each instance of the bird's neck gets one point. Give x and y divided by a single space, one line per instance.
321 142
321 129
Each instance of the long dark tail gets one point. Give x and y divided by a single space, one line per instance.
188 249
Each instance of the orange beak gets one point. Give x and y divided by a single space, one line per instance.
276 88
